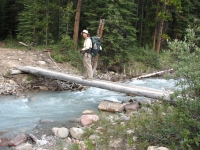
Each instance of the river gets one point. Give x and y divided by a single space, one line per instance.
24 114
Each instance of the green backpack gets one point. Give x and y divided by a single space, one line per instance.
96 46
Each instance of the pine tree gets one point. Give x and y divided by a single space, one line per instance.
119 36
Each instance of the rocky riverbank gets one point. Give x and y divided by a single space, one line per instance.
87 131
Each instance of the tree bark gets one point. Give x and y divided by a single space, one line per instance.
118 87
153 74
159 41
100 28
76 23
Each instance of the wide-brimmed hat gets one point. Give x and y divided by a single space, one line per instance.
85 31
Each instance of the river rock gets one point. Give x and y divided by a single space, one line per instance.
88 112
76 132
146 102
88 119
60 132
132 107
157 148
111 106
41 62
4 141
116 143
25 146
21 138
94 137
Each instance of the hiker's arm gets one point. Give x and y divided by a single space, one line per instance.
87 44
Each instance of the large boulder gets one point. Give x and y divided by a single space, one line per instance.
76 132
132 107
111 106
4 141
88 119
60 132
19 139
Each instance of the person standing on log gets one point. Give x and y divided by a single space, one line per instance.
87 57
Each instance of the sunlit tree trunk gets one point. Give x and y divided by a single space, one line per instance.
76 23
161 26
160 35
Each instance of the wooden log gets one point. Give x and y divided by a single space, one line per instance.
23 44
13 72
113 86
153 74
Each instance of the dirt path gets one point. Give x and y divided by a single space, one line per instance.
15 84
10 58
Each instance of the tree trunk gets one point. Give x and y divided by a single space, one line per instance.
159 41
76 23
155 30
118 87
100 28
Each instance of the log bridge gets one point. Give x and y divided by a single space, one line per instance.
113 86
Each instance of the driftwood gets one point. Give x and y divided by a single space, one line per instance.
29 47
153 74
13 72
119 87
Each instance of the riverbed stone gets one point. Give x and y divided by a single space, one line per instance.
76 132
94 137
60 132
25 146
88 119
4 141
41 62
132 107
116 143
19 139
88 112
111 106
157 148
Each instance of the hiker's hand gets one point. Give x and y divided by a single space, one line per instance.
81 51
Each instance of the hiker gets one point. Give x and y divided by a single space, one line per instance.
87 57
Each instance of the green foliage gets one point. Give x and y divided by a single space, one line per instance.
67 42
89 144
146 56
29 78
60 144
119 36
187 55
72 56
66 26
44 22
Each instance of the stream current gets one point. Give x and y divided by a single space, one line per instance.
23 114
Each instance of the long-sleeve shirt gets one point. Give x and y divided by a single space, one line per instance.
87 44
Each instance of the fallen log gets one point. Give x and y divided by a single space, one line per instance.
153 74
113 86
23 44
13 72
29 47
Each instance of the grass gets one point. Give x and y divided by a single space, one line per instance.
158 127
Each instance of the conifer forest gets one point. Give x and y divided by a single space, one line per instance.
129 24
